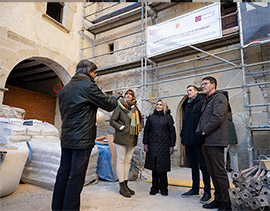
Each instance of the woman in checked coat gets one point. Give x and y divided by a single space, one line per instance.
159 140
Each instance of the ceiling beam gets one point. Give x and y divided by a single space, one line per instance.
37 77
43 79
30 72
26 65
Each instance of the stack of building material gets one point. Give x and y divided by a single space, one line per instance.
43 151
45 160
42 168
18 130
252 188
12 130
11 112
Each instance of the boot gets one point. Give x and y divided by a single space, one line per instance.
123 190
132 192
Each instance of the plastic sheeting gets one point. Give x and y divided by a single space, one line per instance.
42 170
104 163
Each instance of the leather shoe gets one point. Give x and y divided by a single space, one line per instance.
189 194
205 197
212 204
153 191
224 207
164 193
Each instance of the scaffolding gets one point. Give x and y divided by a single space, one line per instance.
150 68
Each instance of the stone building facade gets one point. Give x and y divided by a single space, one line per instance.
27 32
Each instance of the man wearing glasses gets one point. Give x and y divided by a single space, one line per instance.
213 128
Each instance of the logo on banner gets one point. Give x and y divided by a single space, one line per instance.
177 25
153 31
198 18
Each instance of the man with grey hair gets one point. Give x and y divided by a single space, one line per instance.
78 103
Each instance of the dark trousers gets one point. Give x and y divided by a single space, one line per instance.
214 158
70 179
159 181
196 161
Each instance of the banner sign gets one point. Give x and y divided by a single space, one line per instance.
197 26
255 21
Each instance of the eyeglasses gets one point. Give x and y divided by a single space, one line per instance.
204 84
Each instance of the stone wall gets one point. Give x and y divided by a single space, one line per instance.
226 80
27 33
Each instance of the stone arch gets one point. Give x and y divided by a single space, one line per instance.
62 67
179 118
56 63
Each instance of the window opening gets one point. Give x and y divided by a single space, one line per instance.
55 10
229 21
111 47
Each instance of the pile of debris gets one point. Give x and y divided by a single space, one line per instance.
252 187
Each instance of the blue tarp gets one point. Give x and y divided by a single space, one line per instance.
104 163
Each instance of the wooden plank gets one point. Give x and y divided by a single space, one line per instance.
113 155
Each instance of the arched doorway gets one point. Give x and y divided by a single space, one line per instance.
34 84
179 119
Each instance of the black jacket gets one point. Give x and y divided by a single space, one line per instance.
78 102
191 118
232 137
159 134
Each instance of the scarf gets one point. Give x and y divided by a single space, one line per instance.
190 100
130 108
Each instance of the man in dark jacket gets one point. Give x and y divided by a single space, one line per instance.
78 102
213 127
193 144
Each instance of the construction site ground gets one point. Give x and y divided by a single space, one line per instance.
104 196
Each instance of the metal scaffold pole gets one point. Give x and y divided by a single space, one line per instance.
142 79
249 142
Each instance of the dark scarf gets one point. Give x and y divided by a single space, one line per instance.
190 100
130 108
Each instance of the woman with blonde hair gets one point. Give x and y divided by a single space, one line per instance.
159 140
126 120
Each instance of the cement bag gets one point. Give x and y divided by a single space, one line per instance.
11 121
48 129
11 112
45 160
45 163
33 130
32 122
12 167
13 133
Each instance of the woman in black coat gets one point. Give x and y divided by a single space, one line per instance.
159 140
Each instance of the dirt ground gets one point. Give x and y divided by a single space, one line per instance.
104 196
